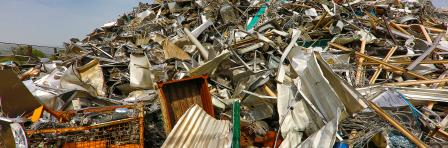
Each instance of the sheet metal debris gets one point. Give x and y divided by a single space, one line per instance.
305 73
198 129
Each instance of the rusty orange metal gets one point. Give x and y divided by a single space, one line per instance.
84 144
65 116
125 146
74 129
37 114
268 140
107 134
177 96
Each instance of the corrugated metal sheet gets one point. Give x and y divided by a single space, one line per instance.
198 129
423 94
438 95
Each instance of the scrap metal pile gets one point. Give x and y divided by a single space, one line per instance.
241 73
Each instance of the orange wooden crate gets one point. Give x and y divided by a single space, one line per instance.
177 96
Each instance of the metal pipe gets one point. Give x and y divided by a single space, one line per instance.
409 62
442 133
141 124
250 48
269 91
320 20
359 68
436 30
389 31
202 50
425 33
197 31
426 53
380 67
102 51
399 28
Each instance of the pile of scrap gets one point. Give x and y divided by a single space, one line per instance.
182 73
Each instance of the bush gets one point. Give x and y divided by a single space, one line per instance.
38 53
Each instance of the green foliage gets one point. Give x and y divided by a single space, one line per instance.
12 58
38 53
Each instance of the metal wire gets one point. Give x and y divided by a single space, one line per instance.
126 134
368 124
110 136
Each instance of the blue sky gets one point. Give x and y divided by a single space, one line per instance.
51 22
440 3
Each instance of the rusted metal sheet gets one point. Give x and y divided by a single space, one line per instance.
15 98
178 96
197 129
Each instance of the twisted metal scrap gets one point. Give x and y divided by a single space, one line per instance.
368 124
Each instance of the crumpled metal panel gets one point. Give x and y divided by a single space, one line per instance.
389 98
71 80
327 91
347 94
301 120
325 136
92 74
139 71
198 129
211 65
